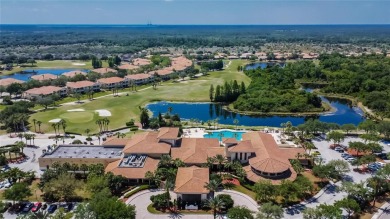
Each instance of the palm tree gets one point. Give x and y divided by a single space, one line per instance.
308 146
20 145
33 138
63 124
170 109
235 122
220 161
215 204
149 176
87 131
216 122
55 128
165 161
283 125
210 162
212 185
39 125
35 127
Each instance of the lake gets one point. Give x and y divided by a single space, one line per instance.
263 65
209 111
27 76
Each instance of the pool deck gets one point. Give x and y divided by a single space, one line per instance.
200 132
194 133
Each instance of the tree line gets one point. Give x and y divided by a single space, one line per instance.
228 92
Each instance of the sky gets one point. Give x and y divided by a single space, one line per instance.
253 12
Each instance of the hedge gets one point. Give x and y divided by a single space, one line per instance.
140 188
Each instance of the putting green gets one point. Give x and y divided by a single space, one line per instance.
78 117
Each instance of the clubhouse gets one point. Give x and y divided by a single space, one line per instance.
261 157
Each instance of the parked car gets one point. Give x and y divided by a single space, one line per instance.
66 206
36 207
27 207
44 206
69 207
52 208
351 159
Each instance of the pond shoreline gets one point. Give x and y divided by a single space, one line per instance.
328 110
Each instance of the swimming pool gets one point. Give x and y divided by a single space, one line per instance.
224 134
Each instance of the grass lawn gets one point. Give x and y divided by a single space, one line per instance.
246 191
55 64
123 108
35 191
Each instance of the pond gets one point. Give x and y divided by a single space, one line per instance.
263 65
30 72
344 114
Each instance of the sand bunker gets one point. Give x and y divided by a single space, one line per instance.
55 120
103 112
76 110
78 64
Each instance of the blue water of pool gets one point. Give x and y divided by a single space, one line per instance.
224 134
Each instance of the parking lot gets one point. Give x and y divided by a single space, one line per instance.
52 208
328 154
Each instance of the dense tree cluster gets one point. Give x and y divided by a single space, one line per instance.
212 65
15 117
273 90
365 77
228 92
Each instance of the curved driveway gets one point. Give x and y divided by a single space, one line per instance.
141 200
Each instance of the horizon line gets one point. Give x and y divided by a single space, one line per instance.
146 24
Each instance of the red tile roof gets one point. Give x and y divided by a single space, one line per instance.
197 150
8 81
168 133
192 180
80 84
138 76
45 90
104 70
132 172
111 80
71 74
146 143
128 66
44 77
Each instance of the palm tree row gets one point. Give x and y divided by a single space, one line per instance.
58 125
39 123
103 124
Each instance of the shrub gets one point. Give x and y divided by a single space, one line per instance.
227 200
130 123
135 128
89 139
77 142
3 161
140 188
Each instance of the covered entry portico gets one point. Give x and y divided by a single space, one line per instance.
190 186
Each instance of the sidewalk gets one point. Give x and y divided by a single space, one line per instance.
383 212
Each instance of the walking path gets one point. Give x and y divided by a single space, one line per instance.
383 212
